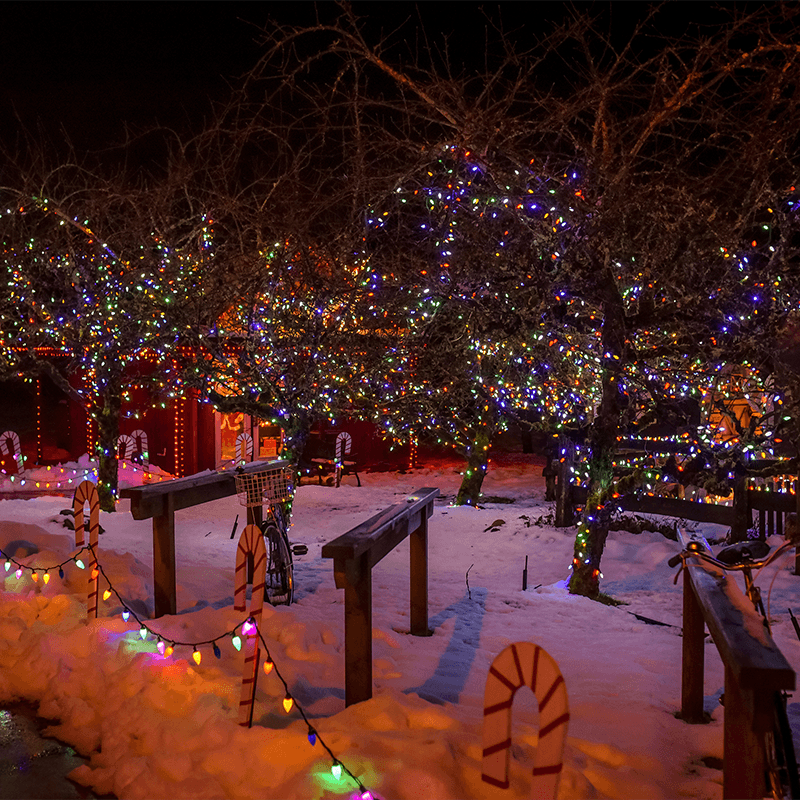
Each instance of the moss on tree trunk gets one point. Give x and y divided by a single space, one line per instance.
477 460
593 530
106 448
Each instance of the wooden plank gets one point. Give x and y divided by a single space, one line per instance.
743 761
418 542
771 501
357 585
383 531
164 573
148 501
693 658
738 630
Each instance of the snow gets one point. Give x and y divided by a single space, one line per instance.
155 727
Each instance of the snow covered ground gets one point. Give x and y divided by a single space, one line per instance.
157 727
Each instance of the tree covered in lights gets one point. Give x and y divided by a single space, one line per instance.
664 146
287 349
107 274
460 267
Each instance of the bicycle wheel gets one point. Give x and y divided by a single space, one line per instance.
782 777
279 583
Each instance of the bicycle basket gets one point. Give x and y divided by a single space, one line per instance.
257 488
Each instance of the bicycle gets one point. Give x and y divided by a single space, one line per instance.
782 779
270 489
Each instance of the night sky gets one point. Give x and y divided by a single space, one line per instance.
88 66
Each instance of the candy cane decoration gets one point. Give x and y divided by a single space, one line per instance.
342 447
125 446
140 439
87 492
525 664
9 446
251 542
244 446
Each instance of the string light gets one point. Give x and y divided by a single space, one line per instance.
166 649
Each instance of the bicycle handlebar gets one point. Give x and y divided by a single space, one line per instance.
751 564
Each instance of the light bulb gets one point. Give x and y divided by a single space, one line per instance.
60 572
143 632
168 650
18 573
288 702
95 573
268 665
79 564
161 646
126 615
46 577
217 652
34 575
248 627
236 641
336 770
8 565
106 594
197 656
312 737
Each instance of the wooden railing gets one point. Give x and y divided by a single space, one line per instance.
354 555
754 670
160 501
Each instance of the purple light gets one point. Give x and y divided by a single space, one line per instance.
248 628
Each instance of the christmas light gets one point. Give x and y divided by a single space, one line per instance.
268 665
288 702
336 770
196 655
236 641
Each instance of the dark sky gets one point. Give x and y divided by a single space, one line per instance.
89 66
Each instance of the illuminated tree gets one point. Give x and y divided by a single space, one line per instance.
106 274
672 144
460 265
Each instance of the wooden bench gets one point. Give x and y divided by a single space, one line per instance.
330 455
354 555
754 670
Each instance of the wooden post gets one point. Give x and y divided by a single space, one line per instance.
693 661
356 580
565 512
418 546
743 765
742 515
164 559
797 523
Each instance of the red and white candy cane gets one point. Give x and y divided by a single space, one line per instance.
125 445
244 447
9 446
251 542
525 664
140 445
87 492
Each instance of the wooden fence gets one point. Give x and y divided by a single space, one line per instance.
755 669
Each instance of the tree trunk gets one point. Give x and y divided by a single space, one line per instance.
106 448
296 430
593 530
477 460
